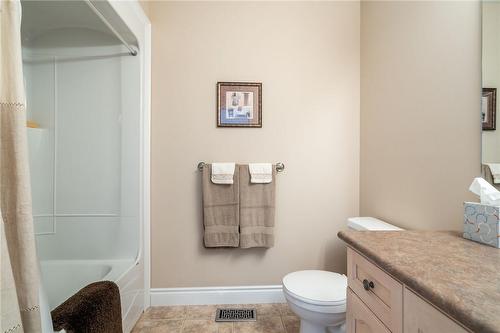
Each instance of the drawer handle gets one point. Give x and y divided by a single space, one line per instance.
368 284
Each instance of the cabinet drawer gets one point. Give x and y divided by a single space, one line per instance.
360 319
421 317
380 292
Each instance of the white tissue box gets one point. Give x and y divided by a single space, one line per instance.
482 223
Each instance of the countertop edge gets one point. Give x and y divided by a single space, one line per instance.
458 314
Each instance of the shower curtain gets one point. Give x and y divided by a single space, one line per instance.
19 284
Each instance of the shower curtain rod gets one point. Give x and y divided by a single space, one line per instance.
39 57
131 49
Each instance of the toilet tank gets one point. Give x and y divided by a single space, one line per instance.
369 223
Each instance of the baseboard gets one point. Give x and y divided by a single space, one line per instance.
217 295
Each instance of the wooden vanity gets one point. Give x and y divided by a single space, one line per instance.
397 283
375 303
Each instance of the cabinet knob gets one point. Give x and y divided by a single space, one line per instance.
368 284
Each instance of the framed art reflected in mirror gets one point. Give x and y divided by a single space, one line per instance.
488 109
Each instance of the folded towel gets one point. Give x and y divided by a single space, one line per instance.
223 173
220 211
495 171
261 173
95 308
256 211
486 174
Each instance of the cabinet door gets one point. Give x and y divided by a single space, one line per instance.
359 318
421 317
379 291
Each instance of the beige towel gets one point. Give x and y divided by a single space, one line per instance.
256 211
488 176
495 172
220 211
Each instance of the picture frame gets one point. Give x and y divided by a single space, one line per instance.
489 109
239 104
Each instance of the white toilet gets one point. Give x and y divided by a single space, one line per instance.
318 298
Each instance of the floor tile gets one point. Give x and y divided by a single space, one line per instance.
285 310
206 326
231 306
271 318
266 324
291 323
199 326
165 312
271 309
201 312
158 326
225 327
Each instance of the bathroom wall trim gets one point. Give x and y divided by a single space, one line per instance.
217 295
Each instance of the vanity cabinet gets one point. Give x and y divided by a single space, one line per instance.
359 317
422 317
375 303
380 292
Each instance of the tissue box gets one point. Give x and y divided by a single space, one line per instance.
482 223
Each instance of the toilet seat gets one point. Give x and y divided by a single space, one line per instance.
318 288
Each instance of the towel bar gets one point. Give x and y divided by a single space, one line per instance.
279 166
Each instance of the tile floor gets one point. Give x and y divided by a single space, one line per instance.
271 318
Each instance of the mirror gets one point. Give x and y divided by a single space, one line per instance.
491 87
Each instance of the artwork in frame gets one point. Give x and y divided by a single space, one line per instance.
489 109
239 104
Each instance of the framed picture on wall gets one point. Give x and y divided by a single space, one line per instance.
489 108
239 104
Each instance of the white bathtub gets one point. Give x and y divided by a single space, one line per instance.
63 278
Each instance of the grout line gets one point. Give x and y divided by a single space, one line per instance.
182 324
185 314
283 324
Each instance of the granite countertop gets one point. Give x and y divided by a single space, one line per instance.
458 276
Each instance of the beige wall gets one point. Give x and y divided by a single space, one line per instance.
307 57
491 74
420 99
145 6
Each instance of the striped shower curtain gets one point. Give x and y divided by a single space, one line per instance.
19 280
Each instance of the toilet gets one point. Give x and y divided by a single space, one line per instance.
317 297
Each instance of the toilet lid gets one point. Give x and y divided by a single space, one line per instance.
317 286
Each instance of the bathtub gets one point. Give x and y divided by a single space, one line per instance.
63 278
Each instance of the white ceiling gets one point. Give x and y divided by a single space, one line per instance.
40 18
